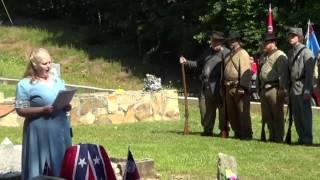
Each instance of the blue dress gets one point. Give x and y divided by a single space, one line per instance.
45 138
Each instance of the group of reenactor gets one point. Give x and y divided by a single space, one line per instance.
226 85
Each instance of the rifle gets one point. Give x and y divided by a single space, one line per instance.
288 136
186 111
225 131
263 132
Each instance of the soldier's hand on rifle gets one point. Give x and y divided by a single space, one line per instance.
241 91
182 60
306 95
282 92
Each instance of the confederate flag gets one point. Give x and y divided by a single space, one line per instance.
87 162
131 171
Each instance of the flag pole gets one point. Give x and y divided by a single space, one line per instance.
270 25
308 32
5 8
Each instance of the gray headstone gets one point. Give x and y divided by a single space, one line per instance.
227 166
10 158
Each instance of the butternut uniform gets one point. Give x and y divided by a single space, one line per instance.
272 77
237 76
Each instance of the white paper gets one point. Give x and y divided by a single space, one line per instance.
63 98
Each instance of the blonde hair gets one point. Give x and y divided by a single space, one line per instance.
35 59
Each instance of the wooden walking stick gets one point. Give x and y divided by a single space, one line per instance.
186 111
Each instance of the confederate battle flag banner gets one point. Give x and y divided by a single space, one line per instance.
87 162
131 171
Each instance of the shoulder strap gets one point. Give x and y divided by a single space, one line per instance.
296 56
232 53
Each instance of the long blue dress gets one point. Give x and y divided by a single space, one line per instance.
45 138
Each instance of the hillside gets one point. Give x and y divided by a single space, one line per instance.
86 55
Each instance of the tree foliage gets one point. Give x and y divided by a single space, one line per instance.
174 27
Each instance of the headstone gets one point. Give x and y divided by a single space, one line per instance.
227 167
55 69
47 178
6 141
10 160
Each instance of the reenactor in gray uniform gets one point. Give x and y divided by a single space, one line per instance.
237 84
210 99
301 65
273 86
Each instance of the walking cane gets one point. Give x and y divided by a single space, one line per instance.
186 111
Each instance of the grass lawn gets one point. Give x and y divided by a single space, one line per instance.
105 65
194 156
110 66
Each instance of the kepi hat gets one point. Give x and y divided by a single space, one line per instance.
217 35
296 31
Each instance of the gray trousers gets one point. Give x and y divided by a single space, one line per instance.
208 105
302 116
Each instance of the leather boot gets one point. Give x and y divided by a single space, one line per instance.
224 134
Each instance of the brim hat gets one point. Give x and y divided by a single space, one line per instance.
296 31
234 35
270 37
217 35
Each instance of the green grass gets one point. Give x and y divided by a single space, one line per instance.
194 156
111 65
8 90
105 65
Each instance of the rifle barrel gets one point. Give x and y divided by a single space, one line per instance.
186 110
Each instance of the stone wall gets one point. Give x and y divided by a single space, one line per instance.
124 107
115 108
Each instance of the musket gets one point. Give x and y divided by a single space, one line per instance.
263 132
288 136
186 111
225 131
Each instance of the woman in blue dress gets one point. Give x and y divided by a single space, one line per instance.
46 131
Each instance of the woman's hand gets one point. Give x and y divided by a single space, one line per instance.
47 109
67 108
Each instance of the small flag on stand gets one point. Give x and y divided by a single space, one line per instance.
270 26
311 40
131 171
